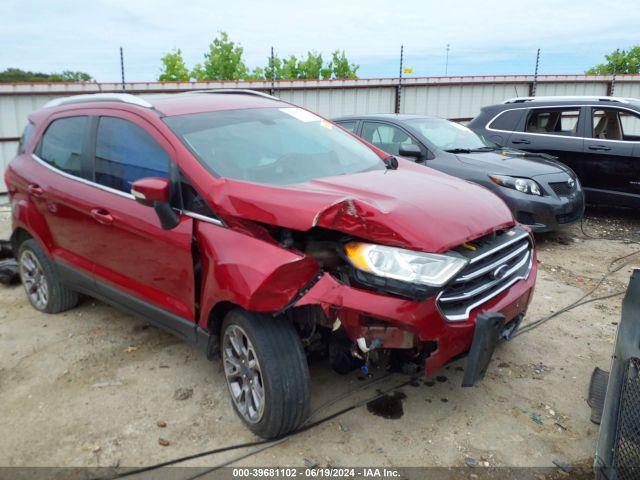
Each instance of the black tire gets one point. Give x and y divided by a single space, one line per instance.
282 370
58 298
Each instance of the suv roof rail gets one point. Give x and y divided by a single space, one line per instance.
237 91
99 97
567 97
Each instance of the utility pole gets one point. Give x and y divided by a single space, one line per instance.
446 63
273 72
399 89
613 80
535 75
122 67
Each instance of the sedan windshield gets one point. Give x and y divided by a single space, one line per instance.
275 146
450 136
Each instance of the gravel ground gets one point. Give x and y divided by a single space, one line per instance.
97 387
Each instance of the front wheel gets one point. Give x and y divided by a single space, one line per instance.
266 371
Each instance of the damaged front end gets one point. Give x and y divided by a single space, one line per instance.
360 278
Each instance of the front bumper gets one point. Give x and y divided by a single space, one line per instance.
405 323
546 213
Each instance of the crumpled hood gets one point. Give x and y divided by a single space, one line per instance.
412 207
493 162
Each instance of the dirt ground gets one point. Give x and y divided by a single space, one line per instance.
89 387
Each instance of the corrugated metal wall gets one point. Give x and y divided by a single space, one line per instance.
458 98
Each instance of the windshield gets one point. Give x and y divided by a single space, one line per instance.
275 146
448 135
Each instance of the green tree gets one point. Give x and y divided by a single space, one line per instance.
619 61
311 67
223 61
174 68
17 75
340 67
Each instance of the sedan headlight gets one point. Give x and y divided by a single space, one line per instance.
404 265
524 185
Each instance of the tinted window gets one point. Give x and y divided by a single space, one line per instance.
614 124
125 153
276 146
62 143
507 120
349 125
386 137
553 121
26 137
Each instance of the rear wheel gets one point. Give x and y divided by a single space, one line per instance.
41 281
266 371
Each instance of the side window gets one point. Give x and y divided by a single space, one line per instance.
61 145
192 201
611 124
125 153
386 137
507 120
349 125
26 137
553 121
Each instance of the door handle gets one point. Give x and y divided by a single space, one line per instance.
102 216
35 190
521 141
599 148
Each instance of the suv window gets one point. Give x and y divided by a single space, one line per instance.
612 124
386 137
349 125
507 120
125 153
553 121
26 136
61 145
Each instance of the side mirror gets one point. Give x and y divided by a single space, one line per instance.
154 192
410 150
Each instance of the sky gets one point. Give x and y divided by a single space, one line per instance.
485 37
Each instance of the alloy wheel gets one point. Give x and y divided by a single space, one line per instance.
34 280
244 377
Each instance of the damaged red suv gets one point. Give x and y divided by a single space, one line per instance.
262 232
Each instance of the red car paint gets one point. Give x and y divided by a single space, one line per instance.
120 243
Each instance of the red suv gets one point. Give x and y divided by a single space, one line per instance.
262 232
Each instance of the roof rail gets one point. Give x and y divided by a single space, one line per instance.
567 98
237 91
99 97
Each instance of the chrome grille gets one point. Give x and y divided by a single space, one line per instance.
498 262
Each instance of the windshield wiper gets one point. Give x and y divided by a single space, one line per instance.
458 150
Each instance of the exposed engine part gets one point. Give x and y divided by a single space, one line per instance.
362 344
341 356
325 252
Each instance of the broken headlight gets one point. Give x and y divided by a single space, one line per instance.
524 185
404 265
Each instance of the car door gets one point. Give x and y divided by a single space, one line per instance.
553 130
59 187
611 152
137 263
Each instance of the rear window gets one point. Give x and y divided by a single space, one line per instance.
507 120
274 146
62 143
26 137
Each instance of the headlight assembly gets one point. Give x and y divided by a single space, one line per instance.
404 265
524 185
